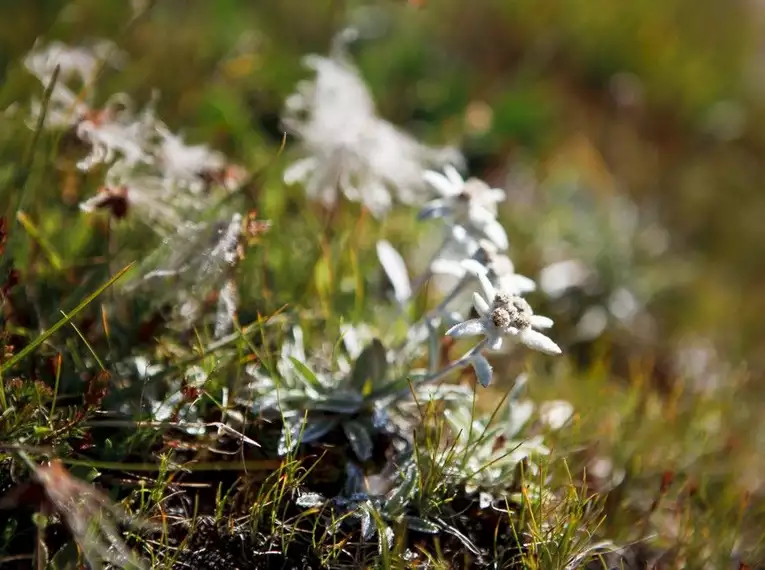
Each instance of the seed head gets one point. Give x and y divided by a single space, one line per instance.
502 300
501 318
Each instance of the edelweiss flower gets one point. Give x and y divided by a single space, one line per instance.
471 203
504 315
188 165
114 134
485 259
72 93
348 148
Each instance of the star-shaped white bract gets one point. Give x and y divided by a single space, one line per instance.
503 315
498 267
470 203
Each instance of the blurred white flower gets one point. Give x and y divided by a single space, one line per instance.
347 148
555 413
186 165
498 267
76 63
471 204
117 135
558 277
125 189
502 315
78 67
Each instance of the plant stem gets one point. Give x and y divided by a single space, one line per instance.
451 367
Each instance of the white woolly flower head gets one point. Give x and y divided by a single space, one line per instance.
73 91
469 203
347 148
502 315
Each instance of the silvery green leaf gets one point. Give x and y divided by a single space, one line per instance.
368 529
358 498
337 405
359 438
471 327
354 479
519 414
482 368
288 440
370 366
401 494
310 500
294 432
421 525
395 268
318 428
386 538
380 418
307 375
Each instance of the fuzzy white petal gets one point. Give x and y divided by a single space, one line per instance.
474 267
440 182
395 268
473 327
540 322
497 234
481 306
489 292
518 284
454 177
447 267
538 341
495 195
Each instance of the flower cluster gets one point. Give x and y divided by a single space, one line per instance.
150 170
374 389
334 118
153 176
346 147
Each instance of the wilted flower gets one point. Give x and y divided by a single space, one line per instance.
347 147
471 204
201 258
126 188
504 315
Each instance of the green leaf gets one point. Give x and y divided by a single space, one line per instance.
370 368
307 374
359 438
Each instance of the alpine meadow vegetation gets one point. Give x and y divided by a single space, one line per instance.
301 341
